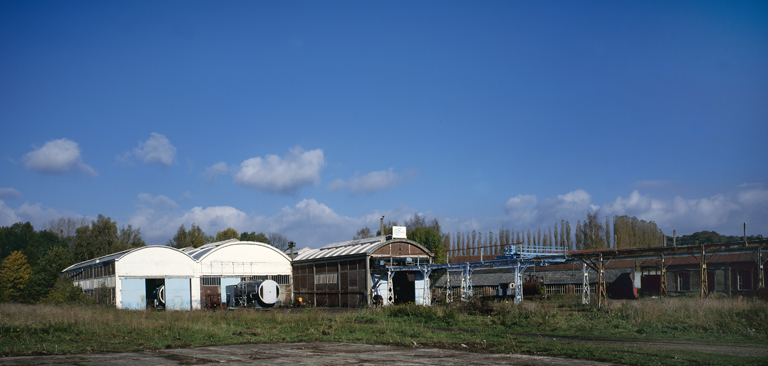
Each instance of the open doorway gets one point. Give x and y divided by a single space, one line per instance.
404 287
155 293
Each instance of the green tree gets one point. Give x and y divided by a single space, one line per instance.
226 234
64 291
46 273
103 237
181 239
194 238
252 236
427 237
14 275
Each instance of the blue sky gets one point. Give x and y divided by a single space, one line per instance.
314 119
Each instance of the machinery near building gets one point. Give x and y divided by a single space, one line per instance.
253 294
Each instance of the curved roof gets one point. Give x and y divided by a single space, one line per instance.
195 254
198 254
117 256
354 247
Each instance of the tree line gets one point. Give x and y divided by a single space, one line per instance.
31 260
620 231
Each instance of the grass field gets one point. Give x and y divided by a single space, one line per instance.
558 328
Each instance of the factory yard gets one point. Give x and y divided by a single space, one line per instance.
642 332
325 353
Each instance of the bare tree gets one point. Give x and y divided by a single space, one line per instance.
363 233
65 228
279 241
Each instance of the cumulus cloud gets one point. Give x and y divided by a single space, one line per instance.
525 211
34 213
156 150
370 183
214 171
9 193
57 157
286 175
157 201
723 212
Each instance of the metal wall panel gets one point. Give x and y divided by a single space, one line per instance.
178 294
133 293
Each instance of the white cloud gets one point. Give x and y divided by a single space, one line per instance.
525 211
57 157
34 213
157 201
282 175
156 150
9 193
369 183
214 171
723 212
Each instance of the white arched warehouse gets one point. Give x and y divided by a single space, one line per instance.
191 278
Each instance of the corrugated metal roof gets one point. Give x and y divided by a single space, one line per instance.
91 262
351 248
195 253
711 259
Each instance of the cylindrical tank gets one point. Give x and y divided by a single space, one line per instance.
258 294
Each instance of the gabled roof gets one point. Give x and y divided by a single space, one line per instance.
353 247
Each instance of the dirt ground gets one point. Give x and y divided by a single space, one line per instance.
325 353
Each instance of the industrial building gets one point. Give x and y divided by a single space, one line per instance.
189 278
354 273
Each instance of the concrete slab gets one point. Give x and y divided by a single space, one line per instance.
276 354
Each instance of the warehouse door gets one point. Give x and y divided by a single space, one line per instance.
132 293
227 281
405 287
178 294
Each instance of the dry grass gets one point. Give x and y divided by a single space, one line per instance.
49 329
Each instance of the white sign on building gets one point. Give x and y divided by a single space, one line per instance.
398 232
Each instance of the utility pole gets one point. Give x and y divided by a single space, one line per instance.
674 239
290 278
745 234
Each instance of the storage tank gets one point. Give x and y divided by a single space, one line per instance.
255 294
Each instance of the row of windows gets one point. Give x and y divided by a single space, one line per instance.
743 280
94 272
280 279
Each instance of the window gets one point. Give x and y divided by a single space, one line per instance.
684 281
211 281
325 278
281 279
745 280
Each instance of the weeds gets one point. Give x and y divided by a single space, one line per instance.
482 326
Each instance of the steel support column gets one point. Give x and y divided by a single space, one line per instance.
760 269
390 288
518 284
703 287
663 290
426 295
602 296
449 289
585 285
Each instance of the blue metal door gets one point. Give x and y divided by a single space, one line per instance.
178 294
133 293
